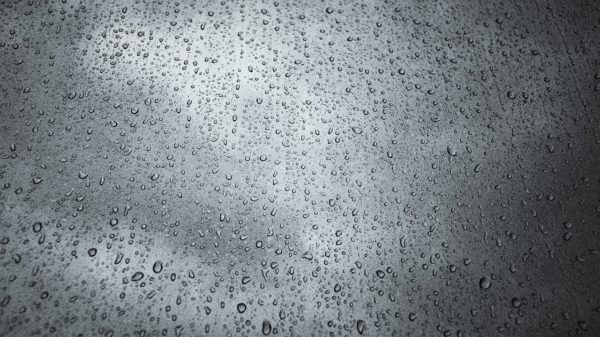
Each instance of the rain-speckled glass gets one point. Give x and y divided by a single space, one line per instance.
299 168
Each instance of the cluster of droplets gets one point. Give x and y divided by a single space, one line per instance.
295 169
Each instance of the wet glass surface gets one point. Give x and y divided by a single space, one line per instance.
311 168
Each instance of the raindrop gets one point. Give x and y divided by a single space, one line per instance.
157 267
137 276
266 327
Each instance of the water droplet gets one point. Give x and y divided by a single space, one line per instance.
137 276
360 326
266 327
157 267
485 282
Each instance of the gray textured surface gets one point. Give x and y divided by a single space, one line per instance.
387 169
